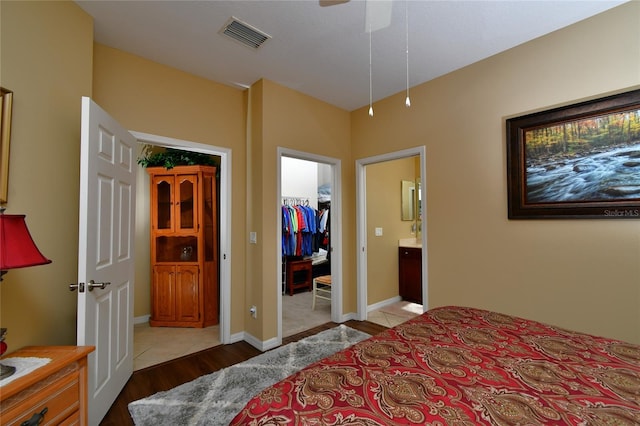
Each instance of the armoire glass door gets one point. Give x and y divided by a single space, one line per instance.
162 216
186 207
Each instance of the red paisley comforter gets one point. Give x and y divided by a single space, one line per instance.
461 366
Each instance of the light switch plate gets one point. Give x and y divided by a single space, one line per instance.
253 238
378 232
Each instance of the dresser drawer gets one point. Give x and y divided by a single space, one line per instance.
59 394
72 420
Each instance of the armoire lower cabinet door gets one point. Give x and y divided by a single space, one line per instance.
187 295
175 296
163 290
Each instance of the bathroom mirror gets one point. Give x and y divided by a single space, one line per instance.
408 201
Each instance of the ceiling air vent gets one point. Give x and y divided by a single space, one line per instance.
244 33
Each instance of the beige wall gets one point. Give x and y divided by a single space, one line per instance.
255 273
46 50
580 274
383 211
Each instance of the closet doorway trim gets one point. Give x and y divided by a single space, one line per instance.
336 230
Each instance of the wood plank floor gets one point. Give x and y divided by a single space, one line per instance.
176 372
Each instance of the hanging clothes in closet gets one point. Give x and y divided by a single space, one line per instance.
321 239
299 229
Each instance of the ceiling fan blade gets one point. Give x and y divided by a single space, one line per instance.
377 14
325 3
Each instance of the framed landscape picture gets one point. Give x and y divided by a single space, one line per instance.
578 161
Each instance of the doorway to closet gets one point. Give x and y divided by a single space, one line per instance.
153 345
306 232
309 241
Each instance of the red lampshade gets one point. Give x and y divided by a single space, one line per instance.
17 249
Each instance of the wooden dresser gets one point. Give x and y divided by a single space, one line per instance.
60 387
299 275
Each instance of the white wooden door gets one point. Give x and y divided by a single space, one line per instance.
106 254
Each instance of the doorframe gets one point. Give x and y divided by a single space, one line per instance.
224 216
336 230
361 222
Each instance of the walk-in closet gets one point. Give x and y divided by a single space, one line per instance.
306 241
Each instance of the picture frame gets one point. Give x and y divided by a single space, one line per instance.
6 103
580 161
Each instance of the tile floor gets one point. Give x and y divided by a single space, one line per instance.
395 313
154 345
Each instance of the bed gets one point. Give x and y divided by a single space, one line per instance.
461 366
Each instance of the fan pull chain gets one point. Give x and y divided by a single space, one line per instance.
407 101
370 76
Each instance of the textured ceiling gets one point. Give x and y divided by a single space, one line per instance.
323 51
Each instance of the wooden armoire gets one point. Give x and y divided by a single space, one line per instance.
184 246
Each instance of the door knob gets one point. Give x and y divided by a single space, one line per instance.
92 284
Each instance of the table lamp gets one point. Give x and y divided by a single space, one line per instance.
17 250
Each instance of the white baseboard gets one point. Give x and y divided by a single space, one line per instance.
237 337
348 317
141 320
384 303
374 307
262 346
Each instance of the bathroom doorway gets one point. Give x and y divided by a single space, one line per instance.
379 247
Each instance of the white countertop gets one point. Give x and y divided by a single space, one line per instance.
410 242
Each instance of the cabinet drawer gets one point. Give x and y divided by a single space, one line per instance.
60 396
410 253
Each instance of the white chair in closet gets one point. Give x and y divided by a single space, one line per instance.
321 289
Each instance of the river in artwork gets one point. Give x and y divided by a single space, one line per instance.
612 174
